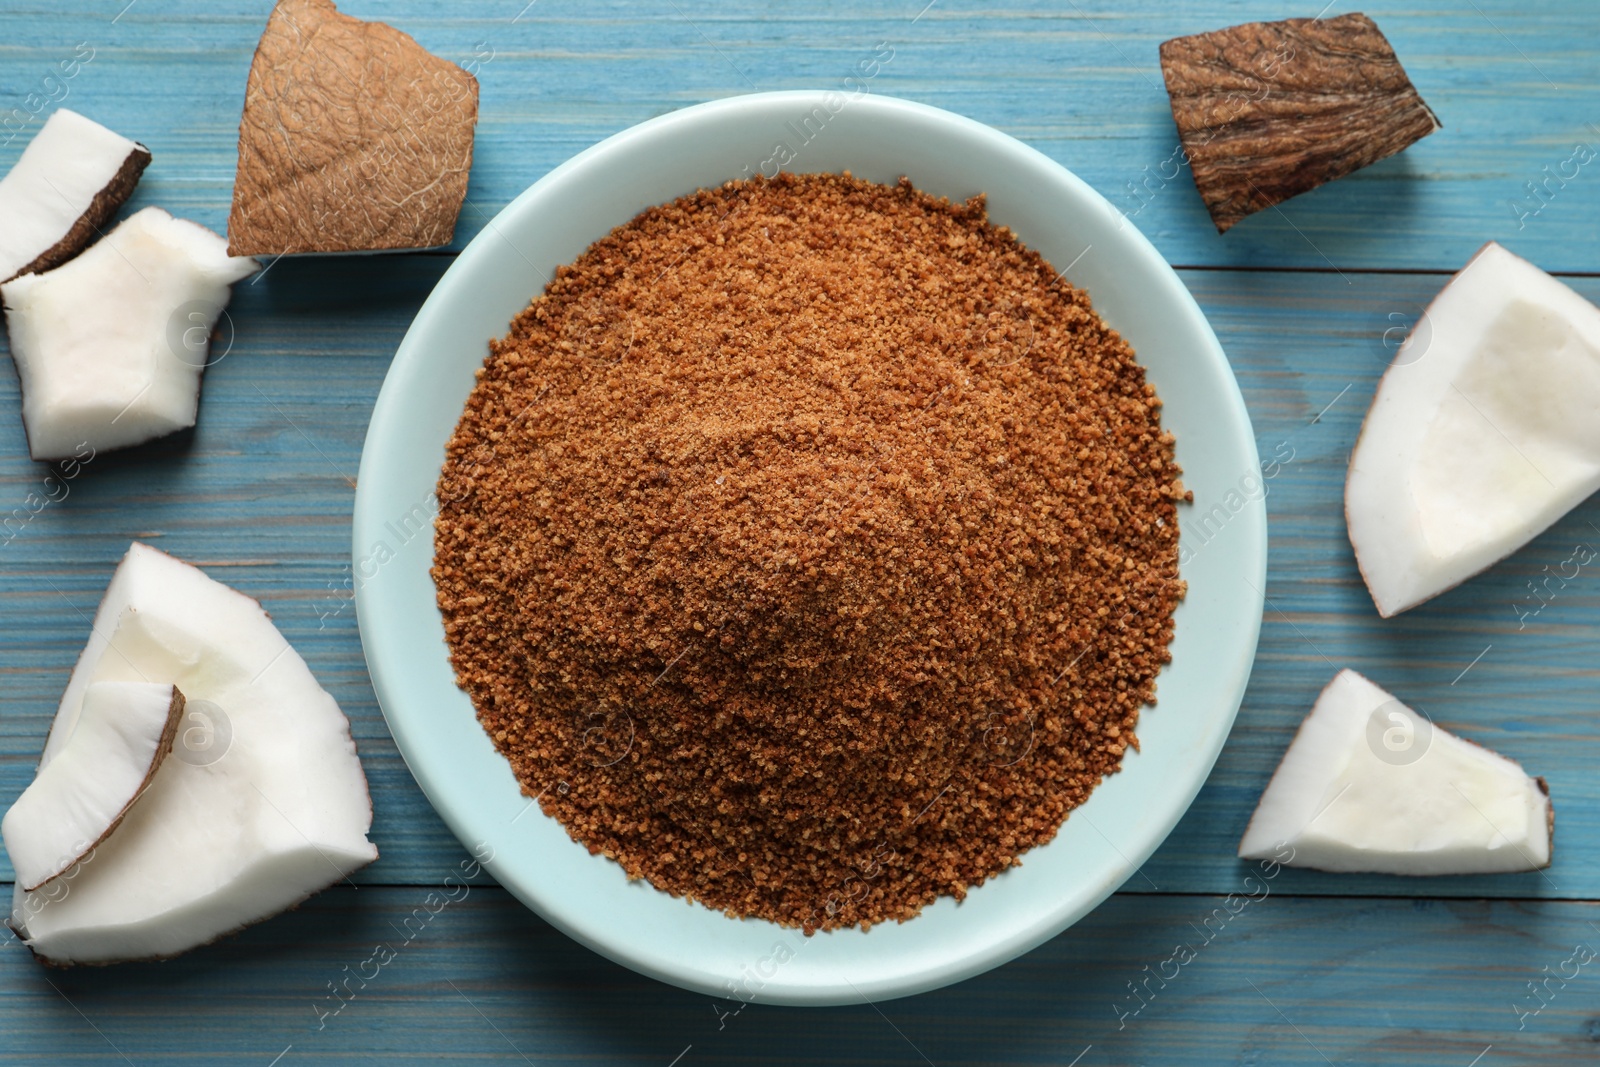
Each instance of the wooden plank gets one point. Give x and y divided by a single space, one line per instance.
260 494
1513 85
1285 981
1324 969
1480 659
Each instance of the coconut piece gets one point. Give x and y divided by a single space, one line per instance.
1368 784
262 803
1270 110
354 137
123 733
110 346
71 179
1484 430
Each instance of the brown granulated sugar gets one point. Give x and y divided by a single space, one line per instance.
809 548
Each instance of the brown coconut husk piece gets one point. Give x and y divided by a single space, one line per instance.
354 138
1269 110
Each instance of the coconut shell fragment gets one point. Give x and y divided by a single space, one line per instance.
1270 110
126 730
71 179
354 138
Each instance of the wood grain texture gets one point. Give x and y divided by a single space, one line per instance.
1513 83
1309 349
1286 981
260 494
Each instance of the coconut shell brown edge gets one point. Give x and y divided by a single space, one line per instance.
93 220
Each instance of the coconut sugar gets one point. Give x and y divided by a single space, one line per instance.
809 548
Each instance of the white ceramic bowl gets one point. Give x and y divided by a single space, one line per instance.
505 266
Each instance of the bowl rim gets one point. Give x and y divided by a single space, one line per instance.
377 622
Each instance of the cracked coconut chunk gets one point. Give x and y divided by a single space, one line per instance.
1370 785
110 347
1483 432
71 179
261 803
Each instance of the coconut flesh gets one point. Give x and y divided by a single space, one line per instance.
110 347
122 735
262 802
71 179
1484 431
1368 784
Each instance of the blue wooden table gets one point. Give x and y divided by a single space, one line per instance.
1308 301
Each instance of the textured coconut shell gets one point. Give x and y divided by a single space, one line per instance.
353 138
1269 110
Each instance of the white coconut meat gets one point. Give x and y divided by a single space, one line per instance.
71 179
1484 431
110 347
124 731
1370 785
262 802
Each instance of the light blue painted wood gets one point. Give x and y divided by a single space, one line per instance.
1309 349
260 494
1367 983
1515 85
